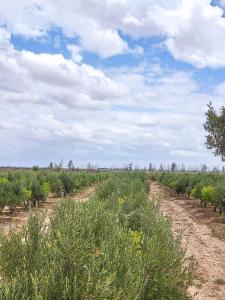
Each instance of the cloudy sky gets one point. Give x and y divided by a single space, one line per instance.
109 81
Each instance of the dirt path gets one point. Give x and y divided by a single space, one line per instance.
21 215
200 242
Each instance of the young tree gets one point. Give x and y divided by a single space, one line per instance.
215 170
204 168
70 165
150 167
35 168
130 167
51 166
173 167
215 128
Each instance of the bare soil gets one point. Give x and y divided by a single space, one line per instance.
20 216
203 237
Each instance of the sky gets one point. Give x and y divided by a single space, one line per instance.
109 81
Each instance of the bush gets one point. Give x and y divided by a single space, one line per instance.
219 197
207 194
26 196
196 192
56 185
45 190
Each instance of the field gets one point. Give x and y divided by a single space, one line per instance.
116 245
111 235
112 130
209 188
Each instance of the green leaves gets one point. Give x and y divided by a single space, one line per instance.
31 187
209 188
215 128
207 194
115 246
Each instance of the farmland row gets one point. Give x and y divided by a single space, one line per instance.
29 188
209 188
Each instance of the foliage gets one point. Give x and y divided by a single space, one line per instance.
215 128
115 246
26 188
173 167
207 194
209 188
45 190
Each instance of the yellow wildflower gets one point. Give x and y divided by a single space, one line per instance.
120 201
97 252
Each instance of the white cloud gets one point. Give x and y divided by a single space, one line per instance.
184 153
194 31
56 105
202 42
23 17
104 42
113 114
4 39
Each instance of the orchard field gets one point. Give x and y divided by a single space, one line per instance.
207 187
117 245
30 188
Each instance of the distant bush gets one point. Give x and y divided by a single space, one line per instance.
26 188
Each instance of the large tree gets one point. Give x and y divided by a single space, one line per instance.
215 128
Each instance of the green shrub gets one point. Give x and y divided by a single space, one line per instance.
30 187
45 190
106 248
196 192
219 197
26 196
207 194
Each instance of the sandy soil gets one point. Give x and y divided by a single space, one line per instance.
21 215
201 237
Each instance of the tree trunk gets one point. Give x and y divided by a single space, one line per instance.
12 208
26 204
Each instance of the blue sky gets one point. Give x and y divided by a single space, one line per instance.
109 82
